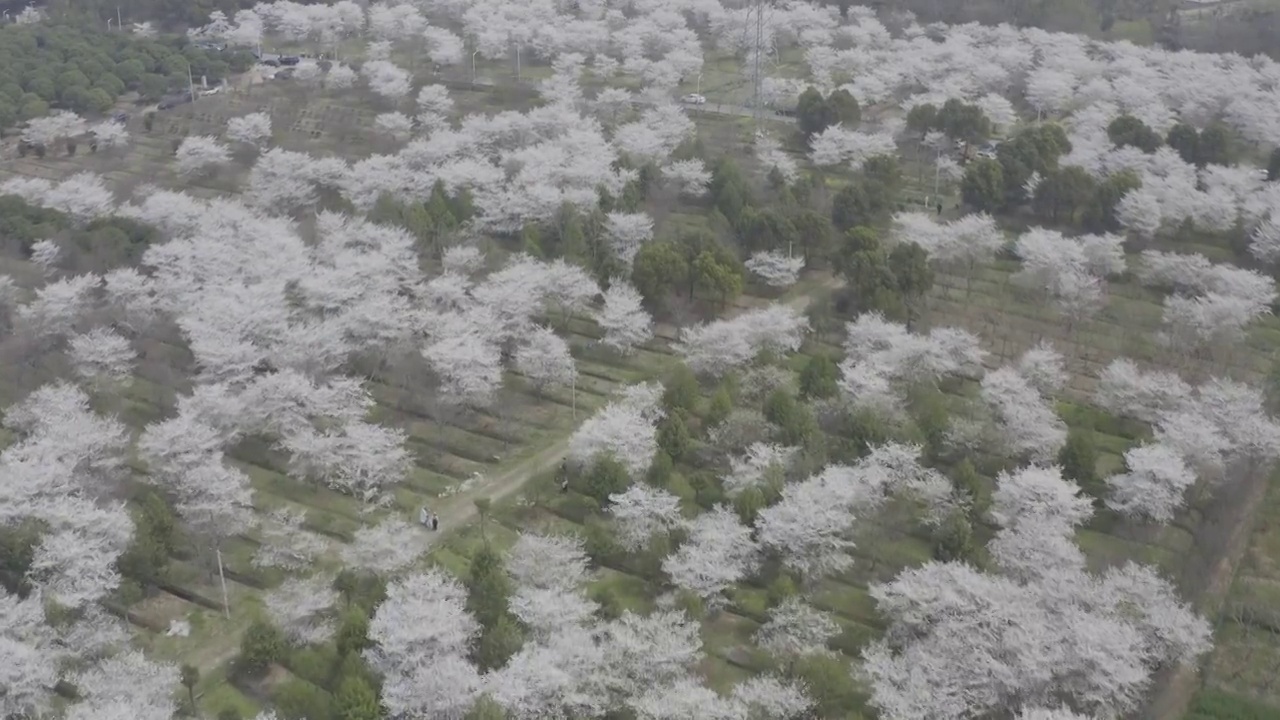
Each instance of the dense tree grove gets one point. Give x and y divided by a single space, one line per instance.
246 387
45 67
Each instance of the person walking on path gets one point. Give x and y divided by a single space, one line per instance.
435 521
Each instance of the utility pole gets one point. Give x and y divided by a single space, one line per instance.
226 606
119 25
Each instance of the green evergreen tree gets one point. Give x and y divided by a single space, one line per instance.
1079 461
356 700
673 437
819 377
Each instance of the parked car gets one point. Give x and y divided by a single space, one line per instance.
289 59
172 101
211 91
120 118
694 99
284 74
988 150
271 61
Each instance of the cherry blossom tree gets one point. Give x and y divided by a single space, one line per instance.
357 458
761 464
623 318
58 305
252 129
627 232
547 561
469 364
961 243
300 607
684 698
932 664
386 79
1154 485
443 46
642 512
795 629
766 696
1140 212
643 651
45 253
545 359
621 429
49 129
1044 368
126 686
836 145
388 547
562 674
548 572
882 357
1264 243
64 460
1026 423
1041 495
810 527
199 153
110 134
84 196
419 637
719 346
771 155
395 124
690 176
102 354
1124 389
776 269
286 543
718 553
339 77
29 656
1068 271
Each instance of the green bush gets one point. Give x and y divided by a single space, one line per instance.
356 700
300 700
261 645
315 664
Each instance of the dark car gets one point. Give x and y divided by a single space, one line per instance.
120 117
173 101
270 61
290 60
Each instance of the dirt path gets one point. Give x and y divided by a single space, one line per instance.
1175 689
457 511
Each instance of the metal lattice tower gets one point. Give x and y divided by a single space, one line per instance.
757 80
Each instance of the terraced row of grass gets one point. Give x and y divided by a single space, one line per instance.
885 546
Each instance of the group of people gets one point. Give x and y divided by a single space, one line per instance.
428 519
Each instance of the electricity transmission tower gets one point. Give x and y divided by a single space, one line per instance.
757 80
